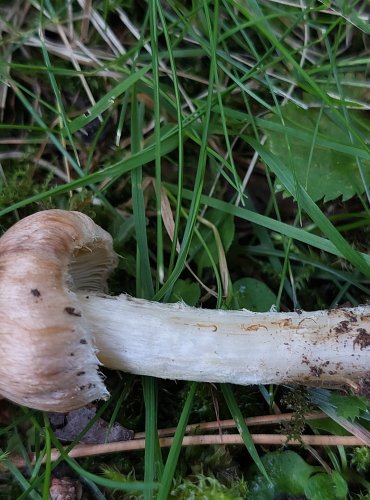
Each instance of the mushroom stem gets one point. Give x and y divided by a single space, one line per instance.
56 326
330 347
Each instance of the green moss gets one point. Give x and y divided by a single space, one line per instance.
361 459
296 400
201 487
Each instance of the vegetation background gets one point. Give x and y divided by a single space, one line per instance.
240 129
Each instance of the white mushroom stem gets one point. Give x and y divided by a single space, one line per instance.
175 341
55 327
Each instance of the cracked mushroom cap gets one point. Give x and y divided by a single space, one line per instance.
48 358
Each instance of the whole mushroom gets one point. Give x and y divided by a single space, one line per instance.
57 326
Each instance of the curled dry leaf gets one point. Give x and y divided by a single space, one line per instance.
68 427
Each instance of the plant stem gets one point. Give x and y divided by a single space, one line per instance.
320 348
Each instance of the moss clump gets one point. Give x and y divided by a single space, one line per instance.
201 487
297 401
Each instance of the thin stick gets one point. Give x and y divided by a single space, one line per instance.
229 424
87 450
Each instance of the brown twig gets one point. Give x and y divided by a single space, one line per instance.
84 450
166 439
230 424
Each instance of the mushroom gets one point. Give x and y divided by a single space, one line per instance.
57 326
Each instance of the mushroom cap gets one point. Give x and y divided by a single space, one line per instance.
48 358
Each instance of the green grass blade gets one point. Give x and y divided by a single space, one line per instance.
179 118
107 100
58 98
108 483
47 476
272 224
242 427
144 284
199 178
174 453
151 434
144 288
22 481
157 137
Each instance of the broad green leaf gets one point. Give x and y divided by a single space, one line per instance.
282 171
326 487
186 291
291 475
328 426
338 404
322 398
339 484
288 472
348 406
323 172
253 294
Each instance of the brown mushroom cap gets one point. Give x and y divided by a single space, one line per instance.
48 358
